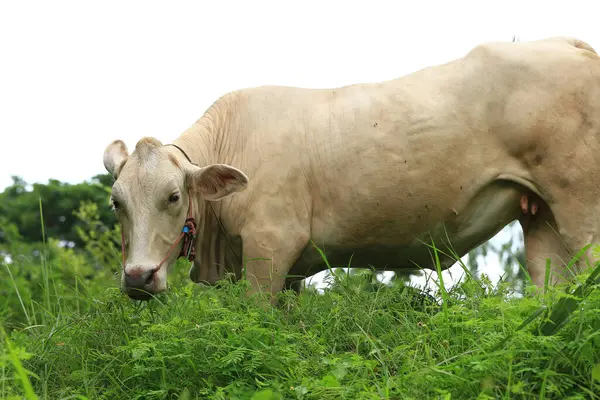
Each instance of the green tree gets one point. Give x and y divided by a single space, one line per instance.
20 207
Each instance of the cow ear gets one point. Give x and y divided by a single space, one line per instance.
115 155
217 181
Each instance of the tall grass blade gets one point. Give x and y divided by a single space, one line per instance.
547 275
562 311
45 273
438 268
323 256
20 372
14 283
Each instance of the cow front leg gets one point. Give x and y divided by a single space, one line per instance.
268 257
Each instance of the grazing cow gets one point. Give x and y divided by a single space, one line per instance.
372 172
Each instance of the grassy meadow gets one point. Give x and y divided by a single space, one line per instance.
68 333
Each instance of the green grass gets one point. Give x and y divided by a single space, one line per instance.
68 333
349 342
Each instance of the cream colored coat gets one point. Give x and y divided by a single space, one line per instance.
371 172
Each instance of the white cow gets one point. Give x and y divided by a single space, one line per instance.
372 172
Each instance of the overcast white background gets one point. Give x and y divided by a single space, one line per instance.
75 75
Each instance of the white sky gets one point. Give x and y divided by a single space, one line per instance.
75 75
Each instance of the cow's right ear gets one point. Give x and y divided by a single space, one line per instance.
217 181
115 156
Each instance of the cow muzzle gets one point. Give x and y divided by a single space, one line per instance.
140 281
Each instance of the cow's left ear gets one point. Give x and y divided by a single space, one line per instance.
217 181
115 156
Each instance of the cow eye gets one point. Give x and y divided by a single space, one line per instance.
174 198
116 205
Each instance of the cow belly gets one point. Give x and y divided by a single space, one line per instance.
482 216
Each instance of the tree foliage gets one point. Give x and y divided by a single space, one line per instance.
20 208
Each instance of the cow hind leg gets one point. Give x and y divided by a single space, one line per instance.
542 242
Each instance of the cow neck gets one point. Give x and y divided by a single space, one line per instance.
221 227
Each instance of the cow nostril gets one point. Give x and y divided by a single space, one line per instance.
139 277
150 277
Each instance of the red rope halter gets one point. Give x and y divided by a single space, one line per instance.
188 234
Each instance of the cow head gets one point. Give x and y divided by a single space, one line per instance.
150 198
